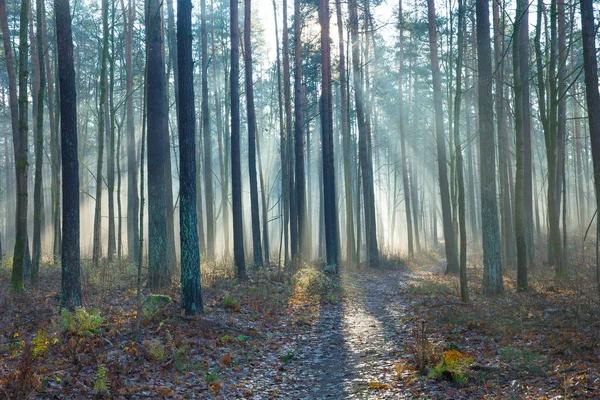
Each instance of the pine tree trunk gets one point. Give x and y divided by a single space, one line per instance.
208 169
492 259
346 139
363 147
236 172
156 121
252 127
97 244
450 241
590 65
70 252
402 122
329 198
133 233
191 294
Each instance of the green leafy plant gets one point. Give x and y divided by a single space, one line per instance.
102 385
452 367
155 350
39 344
80 321
230 303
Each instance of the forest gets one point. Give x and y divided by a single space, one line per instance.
299 199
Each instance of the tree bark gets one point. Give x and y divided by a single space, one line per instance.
70 252
300 193
156 122
329 198
363 146
206 132
450 241
236 173
346 139
590 65
256 241
492 259
97 244
191 294
133 233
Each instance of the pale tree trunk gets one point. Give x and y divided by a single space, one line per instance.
133 233
346 139
208 170
402 124
363 151
300 179
252 127
450 241
550 126
264 208
97 245
464 291
506 215
110 162
222 162
282 142
54 150
492 258
39 147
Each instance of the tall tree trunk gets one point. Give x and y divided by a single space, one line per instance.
191 294
21 157
522 202
71 278
133 233
492 259
329 198
264 208
110 162
300 193
450 241
256 242
590 65
346 139
12 92
363 139
236 172
289 144
464 291
39 148
156 121
54 150
282 137
222 161
97 244
506 216
404 156
549 123
208 170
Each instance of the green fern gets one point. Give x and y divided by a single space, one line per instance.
101 386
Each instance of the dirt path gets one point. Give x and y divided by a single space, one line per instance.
354 342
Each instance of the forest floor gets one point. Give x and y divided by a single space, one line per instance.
399 331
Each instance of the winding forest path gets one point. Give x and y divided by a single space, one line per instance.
356 341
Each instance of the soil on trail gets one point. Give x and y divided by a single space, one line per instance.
355 342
